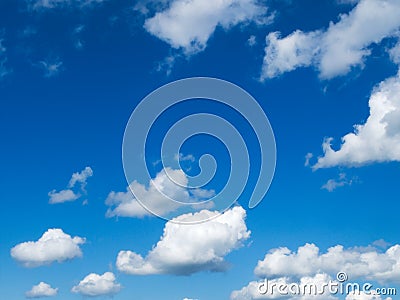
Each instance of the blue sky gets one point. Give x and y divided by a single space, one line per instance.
73 71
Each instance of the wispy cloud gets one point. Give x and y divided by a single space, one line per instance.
333 184
73 192
50 67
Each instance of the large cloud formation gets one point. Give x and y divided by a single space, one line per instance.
186 249
54 245
334 51
378 140
188 24
309 265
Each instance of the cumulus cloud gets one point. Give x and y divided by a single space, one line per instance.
186 249
378 140
98 285
69 194
339 48
359 262
54 245
62 196
124 204
286 54
188 24
41 290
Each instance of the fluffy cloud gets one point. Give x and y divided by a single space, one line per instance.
124 204
186 249
41 290
54 245
308 267
378 140
296 50
269 290
98 285
334 51
188 24
69 194
366 263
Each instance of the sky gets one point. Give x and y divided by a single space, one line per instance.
93 207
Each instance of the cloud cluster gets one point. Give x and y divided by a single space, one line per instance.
334 51
69 194
124 204
98 285
186 249
366 263
54 245
378 140
41 290
308 266
188 24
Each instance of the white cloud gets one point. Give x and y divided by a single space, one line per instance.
62 196
4 70
80 177
308 157
49 4
378 140
188 24
97 285
124 204
252 40
342 46
282 55
333 184
54 245
366 263
394 53
186 249
41 290
364 296
269 289
69 194
51 68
